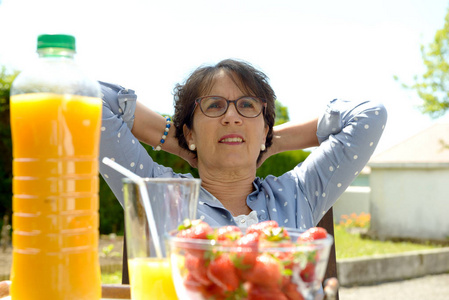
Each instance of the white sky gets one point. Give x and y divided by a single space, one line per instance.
312 51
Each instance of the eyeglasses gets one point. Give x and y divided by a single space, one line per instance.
216 106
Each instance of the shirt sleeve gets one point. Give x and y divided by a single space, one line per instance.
348 133
119 144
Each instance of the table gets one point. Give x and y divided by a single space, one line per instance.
108 291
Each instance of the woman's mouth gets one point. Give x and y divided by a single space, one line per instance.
231 140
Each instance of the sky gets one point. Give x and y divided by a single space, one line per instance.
312 51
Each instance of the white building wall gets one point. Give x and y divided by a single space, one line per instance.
410 202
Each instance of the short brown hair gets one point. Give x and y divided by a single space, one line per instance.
245 76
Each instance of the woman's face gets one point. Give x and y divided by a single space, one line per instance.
228 141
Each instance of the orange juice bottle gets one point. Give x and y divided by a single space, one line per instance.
55 129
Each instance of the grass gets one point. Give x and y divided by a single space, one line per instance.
352 245
111 278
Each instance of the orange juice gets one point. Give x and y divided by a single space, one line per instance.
151 279
55 196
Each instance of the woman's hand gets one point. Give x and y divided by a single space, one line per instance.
331 288
4 288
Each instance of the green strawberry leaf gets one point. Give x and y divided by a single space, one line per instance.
239 294
287 272
237 260
186 224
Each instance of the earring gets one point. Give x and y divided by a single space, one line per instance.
192 147
262 147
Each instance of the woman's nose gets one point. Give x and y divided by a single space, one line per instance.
232 115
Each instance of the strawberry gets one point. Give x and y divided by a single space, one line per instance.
197 269
259 292
228 233
308 273
311 234
267 271
195 229
192 284
222 272
247 251
214 292
260 227
291 291
274 235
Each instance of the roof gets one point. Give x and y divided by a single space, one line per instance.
429 147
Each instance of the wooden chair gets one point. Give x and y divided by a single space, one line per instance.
327 222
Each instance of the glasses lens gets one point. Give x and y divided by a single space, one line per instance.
213 106
249 106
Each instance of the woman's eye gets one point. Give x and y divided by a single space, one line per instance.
214 104
247 103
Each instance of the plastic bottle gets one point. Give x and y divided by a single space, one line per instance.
55 128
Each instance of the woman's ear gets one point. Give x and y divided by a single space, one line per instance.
266 132
187 134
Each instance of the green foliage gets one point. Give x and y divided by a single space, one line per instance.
433 86
6 79
282 162
281 114
111 212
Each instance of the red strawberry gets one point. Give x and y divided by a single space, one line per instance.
260 227
258 292
222 272
266 271
291 291
311 234
195 229
197 269
308 273
214 292
192 284
247 251
274 235
229 233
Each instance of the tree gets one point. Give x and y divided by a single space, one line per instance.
281 114
433 86
6 79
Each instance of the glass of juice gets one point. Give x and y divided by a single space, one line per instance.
172 201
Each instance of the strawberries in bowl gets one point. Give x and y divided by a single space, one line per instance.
264 262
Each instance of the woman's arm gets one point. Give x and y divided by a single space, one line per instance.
149 127
292 136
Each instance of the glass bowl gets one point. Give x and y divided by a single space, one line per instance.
211 269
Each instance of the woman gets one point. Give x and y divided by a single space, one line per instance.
223 124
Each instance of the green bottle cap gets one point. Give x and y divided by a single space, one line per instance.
56 41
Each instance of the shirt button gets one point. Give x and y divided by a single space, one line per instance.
262 217
242 221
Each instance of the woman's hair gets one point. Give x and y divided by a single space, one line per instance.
250 81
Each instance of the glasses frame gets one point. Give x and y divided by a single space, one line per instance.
198 103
